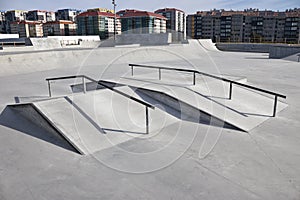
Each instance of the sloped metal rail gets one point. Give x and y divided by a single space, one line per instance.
84 78
231 83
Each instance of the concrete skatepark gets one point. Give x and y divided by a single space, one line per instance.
200 145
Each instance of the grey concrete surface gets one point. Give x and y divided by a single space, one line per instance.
196 161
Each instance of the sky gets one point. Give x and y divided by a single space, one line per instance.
189 6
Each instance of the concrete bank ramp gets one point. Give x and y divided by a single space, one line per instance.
100 119
45 43
246 110
294 58
208 45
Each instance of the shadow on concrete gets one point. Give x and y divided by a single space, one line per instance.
210 98
259 115
29 98
12 119
182 110
123 131
258 58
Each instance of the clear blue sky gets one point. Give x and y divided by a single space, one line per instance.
189 6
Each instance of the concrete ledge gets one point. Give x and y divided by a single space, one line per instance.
244 47
283 51
45 43
144 39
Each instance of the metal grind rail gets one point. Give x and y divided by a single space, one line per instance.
231 83
84 78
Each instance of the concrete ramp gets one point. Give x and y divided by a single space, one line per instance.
246 110
294 58
208 45
45 43
100 119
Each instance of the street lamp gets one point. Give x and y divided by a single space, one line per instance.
115 20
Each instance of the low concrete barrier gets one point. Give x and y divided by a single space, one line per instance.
283 51
76 40
8 36
45 43
244 47
144 39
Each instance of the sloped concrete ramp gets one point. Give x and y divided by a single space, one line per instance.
208 45
246 110
98 120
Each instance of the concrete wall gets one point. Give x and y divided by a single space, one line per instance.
75 40
57 42
244 47
45 43
144 39
6 36
274 50
283 51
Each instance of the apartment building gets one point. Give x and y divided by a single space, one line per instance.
142 22
67 14
2 22
100 10
27 28
60 28
249 25
98 23
176 22
14 16
40 15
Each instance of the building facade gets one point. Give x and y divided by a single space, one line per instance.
98 23
14 16
176 22
67 14
60 28
40 15
2 22
142 22
249 25
100 10
27 28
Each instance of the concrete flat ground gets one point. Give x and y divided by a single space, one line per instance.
184 160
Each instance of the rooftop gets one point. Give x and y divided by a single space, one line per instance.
106 14
60 22
168 9
137 13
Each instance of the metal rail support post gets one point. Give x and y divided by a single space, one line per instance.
49 88
83 84
147 120
230 91
159 74
194 78
131 70
275 106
